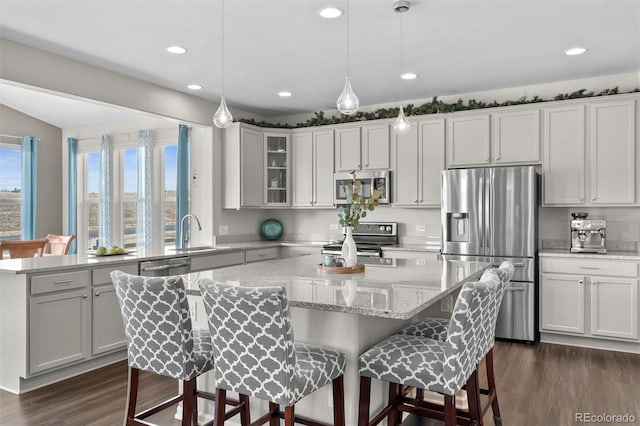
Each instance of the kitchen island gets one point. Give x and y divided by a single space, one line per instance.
347 312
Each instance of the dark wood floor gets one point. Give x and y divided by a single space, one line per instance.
537 385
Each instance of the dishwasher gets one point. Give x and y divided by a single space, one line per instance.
166 267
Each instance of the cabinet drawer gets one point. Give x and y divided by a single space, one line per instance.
101 275
612 268
54 282
202 263
262 254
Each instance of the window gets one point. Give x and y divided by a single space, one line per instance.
10 192
129 197
92 198
170 186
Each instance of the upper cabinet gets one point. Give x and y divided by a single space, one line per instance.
243 162
276 167
418 157
363 147
504 137
613 153
516 137
313 169
468 141
590 156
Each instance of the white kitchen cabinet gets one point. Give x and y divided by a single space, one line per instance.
516 137
243 162
347 149
468 140
419 159
613 156
364 147
614 307
313 163
276 170
590 154
596 298
59 329
257 255
562 303
107 326
216 260
375 146
563 167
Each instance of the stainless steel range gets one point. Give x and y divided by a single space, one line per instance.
370 237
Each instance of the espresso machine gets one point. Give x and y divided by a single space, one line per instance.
588 235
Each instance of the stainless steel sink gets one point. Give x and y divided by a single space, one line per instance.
198 248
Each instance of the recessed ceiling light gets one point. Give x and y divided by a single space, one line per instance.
194 87
176 49
330 12
575 51
284 94
409 76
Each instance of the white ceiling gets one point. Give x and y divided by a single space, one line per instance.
456 46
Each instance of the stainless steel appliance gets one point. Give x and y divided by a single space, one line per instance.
370 180
370 237
166 267
491 214
588 235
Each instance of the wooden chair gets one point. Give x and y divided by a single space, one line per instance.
23 248
58 245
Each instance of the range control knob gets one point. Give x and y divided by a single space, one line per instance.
389 228
381 228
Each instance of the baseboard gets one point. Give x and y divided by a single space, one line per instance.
586 342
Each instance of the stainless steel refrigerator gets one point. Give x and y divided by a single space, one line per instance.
491 214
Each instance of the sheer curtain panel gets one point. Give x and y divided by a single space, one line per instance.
72 193
144 229
104 205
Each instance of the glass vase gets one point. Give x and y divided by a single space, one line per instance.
349 250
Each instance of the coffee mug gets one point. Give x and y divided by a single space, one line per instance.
328 260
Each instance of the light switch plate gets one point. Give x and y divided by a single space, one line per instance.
333 226
421 228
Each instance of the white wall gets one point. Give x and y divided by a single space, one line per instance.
49 177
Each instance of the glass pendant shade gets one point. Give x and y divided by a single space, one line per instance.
348 102
401 124
222 118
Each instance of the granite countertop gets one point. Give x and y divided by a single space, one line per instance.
399 291
611 254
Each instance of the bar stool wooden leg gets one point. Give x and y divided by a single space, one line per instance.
245 413
365 397
392 418
338 401
289 415
450 410
273 410
187 402
492 388
473 398
221 399
132 394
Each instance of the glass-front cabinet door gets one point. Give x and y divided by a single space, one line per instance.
276 168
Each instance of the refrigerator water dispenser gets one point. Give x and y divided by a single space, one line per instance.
457 227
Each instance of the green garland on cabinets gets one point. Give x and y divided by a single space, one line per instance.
435 106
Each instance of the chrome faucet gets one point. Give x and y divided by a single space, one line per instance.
184 238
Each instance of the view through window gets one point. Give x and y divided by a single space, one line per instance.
10 193
92 198
130 197
170 186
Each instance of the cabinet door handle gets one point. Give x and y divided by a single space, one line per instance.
97 293
590 267
580 282
84 296
63 282
593 282
497 157
593 198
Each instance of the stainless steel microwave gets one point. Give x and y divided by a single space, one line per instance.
370 180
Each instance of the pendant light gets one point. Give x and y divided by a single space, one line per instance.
222 118
401 124
348 102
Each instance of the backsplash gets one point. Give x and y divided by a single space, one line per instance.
612 245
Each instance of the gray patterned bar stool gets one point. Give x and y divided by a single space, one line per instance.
160 340
436 328
436 365
255 353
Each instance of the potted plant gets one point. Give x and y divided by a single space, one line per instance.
350 214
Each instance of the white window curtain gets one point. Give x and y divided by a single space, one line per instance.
104 205
145 154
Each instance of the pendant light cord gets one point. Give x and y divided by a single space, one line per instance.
222 38
348 64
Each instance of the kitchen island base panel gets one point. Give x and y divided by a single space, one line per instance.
351 334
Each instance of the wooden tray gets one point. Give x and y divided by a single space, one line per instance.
359 268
